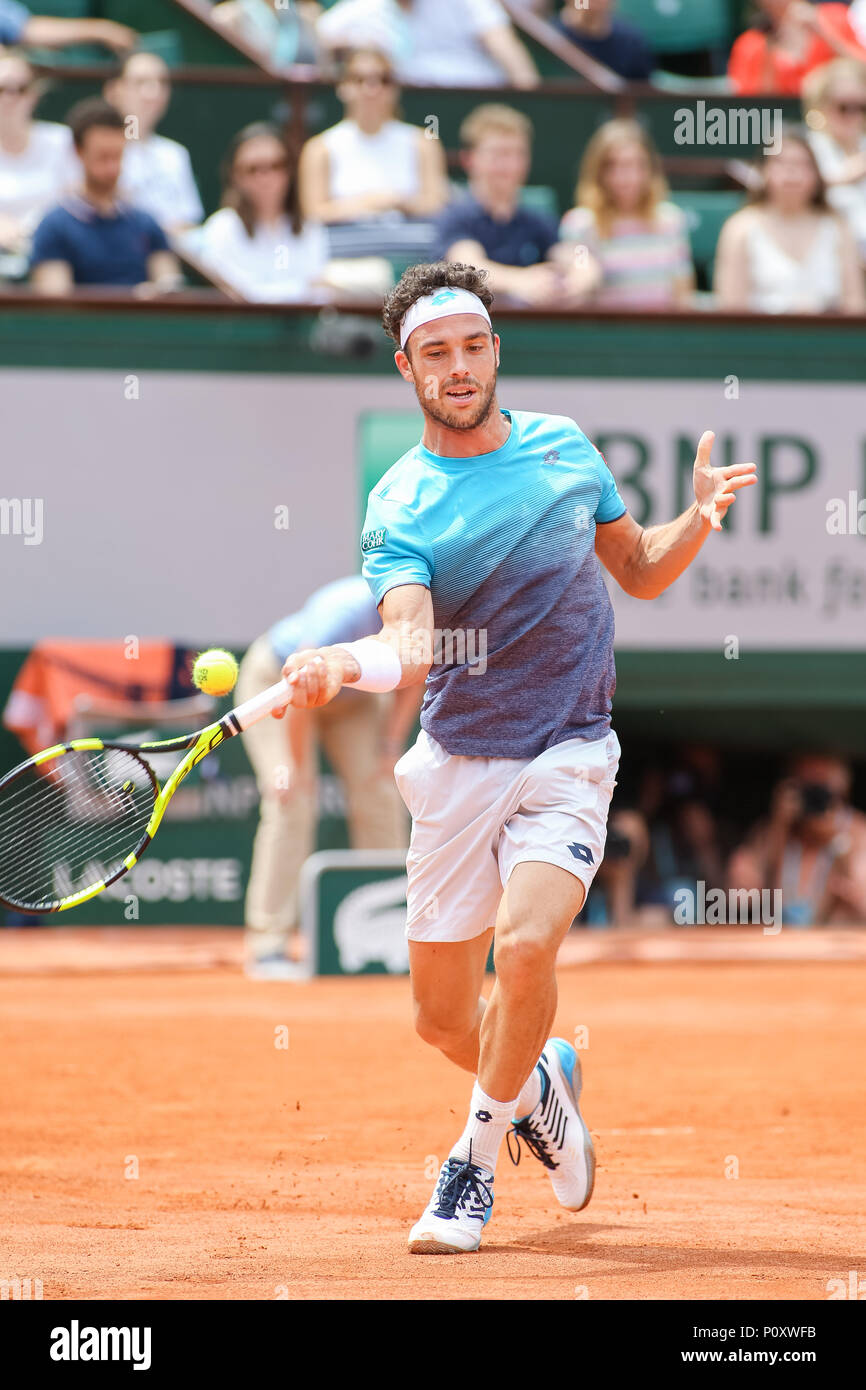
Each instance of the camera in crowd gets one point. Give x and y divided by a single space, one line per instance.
816 799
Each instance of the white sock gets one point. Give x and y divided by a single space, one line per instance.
529 1096
485 1129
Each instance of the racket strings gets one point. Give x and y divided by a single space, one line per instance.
85 802
68 841
70 822
68 811
26 799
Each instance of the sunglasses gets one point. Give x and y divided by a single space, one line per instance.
850 108
271 166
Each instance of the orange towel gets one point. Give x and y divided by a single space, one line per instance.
58 670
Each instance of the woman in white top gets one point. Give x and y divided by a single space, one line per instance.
371 168
258 242
789 253
157 174
434 43
834 104
37 161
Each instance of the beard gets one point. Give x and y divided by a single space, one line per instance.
452 417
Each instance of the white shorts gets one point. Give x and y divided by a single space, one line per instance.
473 819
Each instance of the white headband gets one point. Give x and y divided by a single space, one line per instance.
437 306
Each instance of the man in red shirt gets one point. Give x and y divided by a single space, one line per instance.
797 38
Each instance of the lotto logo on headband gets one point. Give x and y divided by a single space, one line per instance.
437 306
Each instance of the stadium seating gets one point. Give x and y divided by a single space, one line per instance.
198 42
681 26
540 197
706 213
63 9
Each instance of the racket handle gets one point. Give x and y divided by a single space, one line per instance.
252 710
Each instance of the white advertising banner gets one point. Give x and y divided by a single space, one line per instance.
204 506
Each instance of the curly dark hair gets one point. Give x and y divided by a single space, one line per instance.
419 280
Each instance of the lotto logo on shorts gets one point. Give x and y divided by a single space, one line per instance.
582 852
371 540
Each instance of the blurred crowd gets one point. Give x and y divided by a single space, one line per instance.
106 200
682 836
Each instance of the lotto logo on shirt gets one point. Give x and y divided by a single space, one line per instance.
372 540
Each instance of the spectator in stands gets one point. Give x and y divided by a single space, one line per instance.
91 237
376 179
594 27
627 895
790 39
625 223
19 26
433 43
157 173
363 736
491 228
258 242
281 31
789 252
812 846
681 802
37 160
834 102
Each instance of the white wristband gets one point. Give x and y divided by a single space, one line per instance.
380 665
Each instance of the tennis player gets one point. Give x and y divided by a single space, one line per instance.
486 538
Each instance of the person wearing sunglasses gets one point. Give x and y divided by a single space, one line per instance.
375 179
834 108
788 251
258 243
37 161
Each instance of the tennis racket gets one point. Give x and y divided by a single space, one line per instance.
77 817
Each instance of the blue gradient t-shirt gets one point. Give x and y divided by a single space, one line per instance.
505 542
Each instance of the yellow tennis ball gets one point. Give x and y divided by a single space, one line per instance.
215 672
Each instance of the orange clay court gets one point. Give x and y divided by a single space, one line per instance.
296 1172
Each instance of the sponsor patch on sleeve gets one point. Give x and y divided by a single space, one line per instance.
373 540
